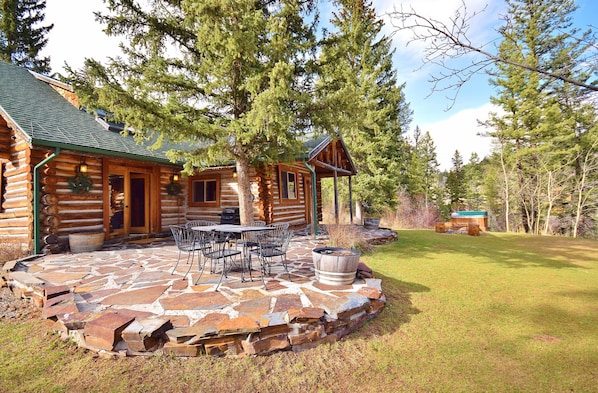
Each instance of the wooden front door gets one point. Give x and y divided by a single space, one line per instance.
129 200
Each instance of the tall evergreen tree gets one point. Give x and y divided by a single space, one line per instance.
227 77
536 130
367 106
422 171
473 179
455 183
22 36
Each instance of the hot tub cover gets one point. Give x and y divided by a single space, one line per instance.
470 214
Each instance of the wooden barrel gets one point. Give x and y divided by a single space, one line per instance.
86 241
335 266
473 229
371 223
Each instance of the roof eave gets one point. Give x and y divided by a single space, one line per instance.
111 153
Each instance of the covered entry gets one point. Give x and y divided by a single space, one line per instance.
129 200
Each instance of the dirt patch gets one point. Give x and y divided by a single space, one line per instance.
16 309
546 338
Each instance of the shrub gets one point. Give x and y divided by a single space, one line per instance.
10 251
346 236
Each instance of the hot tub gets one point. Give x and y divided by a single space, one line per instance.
464 218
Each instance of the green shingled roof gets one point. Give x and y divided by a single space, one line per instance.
48 119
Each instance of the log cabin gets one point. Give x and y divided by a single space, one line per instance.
66 171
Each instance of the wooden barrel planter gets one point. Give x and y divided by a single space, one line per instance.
371 223
86 241
335 266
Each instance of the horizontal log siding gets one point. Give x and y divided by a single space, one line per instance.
229 197
16 213
173 206
61 210
291 212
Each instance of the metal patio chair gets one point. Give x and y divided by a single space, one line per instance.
216 247
250 242
187 241
272 236
199 223
271 247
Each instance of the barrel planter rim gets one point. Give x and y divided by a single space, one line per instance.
335 265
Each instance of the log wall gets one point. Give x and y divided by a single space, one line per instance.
173 206
229 197
16 213
292 212
267 205
61 210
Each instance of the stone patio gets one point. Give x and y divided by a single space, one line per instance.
124 301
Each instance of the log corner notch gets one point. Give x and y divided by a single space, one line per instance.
36 196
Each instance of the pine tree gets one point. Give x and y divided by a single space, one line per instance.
366 104
21 36
536 132
226 77
422 171
473 178
455 183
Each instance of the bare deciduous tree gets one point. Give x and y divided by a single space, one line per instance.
448 41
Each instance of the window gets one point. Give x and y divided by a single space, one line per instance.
288 185
204 191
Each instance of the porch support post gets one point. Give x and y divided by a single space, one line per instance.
351 198
336 218
314 195
36 191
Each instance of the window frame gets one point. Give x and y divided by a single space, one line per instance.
206 179
288 170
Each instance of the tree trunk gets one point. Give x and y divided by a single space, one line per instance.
507 192
245 196
359 212
550 198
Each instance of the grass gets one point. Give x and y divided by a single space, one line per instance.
495 313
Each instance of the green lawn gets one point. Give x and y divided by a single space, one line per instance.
495 313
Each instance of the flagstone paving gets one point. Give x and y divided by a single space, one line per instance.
123 300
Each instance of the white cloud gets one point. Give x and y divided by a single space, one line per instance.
460 132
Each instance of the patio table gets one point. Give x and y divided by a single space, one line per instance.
239 230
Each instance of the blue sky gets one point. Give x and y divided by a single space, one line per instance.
457 128
76 35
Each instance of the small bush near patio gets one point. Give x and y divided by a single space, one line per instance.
494 313
346 236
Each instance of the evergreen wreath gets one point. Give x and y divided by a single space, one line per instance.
81 183
173 188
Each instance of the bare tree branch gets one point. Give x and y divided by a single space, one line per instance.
450 41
